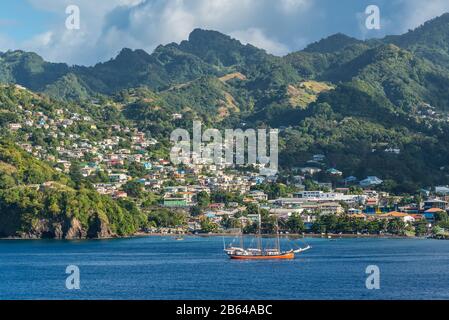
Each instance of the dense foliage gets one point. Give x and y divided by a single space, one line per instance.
378 95
37 201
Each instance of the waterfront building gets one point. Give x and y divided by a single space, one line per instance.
435 203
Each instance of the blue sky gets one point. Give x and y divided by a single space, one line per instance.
278 26
20 21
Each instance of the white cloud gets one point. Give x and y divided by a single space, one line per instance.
40 41
292 6
257 38
6 43
416 12
276 26
108 26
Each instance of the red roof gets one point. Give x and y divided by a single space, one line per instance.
395 214
434 210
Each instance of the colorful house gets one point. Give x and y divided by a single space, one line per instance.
435 204
400 215
430 214
175 202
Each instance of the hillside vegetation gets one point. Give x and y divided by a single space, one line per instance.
345 98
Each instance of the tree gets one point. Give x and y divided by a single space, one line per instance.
273 190
437 230
444 225
251 228
345 225
344 205
6 181
229 223
383 225
420 228
295 224
396 226
269 222
203 199
310 185
225 197
208 226
136 169
318 227
373 227
441 216
133 189
75 174
252 208
195 211
330 221
166 219
355 190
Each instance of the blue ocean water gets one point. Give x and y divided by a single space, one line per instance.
197 268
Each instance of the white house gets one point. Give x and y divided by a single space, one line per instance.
371 181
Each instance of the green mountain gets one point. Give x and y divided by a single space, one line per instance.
218 49
210 53
29 70
343 97
334 43
429 41
399 76
165 67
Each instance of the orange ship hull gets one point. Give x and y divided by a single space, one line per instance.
289 255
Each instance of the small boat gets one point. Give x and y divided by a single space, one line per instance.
260 253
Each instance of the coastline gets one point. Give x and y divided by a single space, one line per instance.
210 235
292 235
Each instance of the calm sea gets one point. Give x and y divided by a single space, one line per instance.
197 268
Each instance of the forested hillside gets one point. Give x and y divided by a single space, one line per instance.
348 99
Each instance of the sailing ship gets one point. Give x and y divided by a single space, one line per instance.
261 253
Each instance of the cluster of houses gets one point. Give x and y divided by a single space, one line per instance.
317 165
368 205
112 155
106 155
309 205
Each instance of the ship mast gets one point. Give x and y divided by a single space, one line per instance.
278 242
241 234
259 238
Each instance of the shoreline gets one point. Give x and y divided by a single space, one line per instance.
211 235
293 235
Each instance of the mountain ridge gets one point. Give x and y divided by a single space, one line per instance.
207 52
386 93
